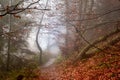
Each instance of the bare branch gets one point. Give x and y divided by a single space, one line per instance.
14 9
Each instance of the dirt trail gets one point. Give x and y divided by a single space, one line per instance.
48 71
50 62
102 66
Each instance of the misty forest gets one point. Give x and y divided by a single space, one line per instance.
59 39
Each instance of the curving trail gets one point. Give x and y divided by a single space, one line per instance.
102 66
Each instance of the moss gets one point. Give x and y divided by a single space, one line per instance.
104 65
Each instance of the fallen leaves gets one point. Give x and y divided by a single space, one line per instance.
98 67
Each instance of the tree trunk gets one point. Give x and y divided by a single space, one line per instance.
83 54
9 42
39 47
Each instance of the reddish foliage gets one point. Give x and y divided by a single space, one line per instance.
100 67
17 16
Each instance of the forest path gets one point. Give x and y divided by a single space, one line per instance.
48 71
102 66
49 63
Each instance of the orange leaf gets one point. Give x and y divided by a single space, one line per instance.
17 16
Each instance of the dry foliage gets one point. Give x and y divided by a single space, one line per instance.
99 67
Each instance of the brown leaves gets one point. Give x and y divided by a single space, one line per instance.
88 70
17 16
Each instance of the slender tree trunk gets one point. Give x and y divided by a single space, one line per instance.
37 35
39 47
9 43
8 55
67 30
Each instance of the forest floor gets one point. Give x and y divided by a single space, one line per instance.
102 66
